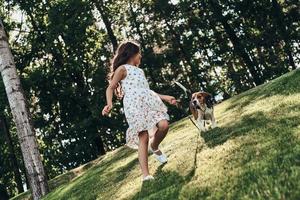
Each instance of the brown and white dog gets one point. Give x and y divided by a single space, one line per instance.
201 106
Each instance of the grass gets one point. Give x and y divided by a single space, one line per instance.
253 154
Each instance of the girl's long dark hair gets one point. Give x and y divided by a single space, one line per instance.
125 51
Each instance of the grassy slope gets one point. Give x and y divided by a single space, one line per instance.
254 154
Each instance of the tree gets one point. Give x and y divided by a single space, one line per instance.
63 50
237 44
99 4
72 132
13 159
3 193
22 118
280 23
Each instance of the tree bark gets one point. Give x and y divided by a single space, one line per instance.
13 159
22 118
101 8
237 44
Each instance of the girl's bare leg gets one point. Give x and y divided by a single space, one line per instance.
160 134
143 152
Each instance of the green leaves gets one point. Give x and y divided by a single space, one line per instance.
64 48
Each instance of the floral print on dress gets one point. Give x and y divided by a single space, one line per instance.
142 106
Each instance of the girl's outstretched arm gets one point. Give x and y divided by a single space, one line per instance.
170 99
119 74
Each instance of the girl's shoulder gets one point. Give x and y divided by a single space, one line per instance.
129 67
121 68
125 68
121 72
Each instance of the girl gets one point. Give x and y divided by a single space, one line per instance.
144 110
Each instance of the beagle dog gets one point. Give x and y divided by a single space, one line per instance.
201 106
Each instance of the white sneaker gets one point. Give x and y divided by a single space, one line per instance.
161 158
147 178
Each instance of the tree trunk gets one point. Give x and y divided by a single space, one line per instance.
99 145
279 18
13 159
237 44
148 52
137 25
60 62
196 72
3 192
195 76
22 118
101 8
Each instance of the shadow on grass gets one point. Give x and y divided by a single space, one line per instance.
248 124
92 182
268 163
117 156
271 171
265 166
62 179
58 184
167 184
177 126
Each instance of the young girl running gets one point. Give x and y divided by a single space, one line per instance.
144 110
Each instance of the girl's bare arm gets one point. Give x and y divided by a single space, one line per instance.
119 74
167 98
163 97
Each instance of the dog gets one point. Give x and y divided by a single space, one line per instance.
202 108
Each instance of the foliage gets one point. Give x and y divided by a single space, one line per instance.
254 156
62 49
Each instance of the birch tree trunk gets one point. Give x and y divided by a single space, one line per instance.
22 119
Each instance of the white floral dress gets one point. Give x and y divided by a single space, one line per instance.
142 106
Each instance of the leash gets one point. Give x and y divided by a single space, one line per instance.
194 123
186 92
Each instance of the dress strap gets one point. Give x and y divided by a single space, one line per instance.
128 70
127 67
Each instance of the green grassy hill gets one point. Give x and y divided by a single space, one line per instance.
253 154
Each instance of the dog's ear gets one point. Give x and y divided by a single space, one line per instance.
209 100
193 110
